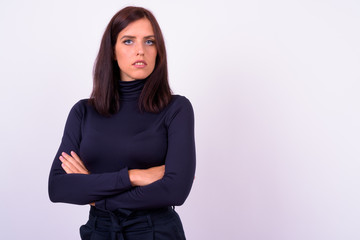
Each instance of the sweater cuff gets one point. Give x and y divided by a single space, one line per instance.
101 204
123 183
124 179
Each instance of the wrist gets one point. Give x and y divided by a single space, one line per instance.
134 177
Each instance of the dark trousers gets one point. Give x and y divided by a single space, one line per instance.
158 224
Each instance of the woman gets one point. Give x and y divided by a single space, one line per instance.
128 150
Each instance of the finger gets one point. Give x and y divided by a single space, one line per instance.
161 168
70 162
71 167
77 163
66 164
77 167
66 169
77 158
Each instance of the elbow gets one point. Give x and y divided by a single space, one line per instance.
59 193
53 192
177 199
178 195
53 198
52 195
179 202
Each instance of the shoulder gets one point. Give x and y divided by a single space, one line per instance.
80 105
179 101
80 108
179 107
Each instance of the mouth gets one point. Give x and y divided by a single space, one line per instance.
139 64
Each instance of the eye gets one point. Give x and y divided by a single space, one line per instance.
149 42
127 41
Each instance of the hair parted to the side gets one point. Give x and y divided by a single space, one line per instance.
156 93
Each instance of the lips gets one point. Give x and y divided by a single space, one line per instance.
139 64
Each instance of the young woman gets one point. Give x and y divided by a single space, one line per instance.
129 150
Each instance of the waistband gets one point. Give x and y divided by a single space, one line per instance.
125 220
126 213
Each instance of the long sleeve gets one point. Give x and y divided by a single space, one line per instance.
175 186
81 188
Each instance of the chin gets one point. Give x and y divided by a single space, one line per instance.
141 76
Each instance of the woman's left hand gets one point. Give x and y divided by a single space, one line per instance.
72 163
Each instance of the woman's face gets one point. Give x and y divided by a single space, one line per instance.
135 50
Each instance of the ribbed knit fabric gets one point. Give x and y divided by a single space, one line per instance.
129 139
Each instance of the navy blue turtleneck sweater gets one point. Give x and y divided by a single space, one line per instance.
129 139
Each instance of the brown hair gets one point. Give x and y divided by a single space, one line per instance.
156 93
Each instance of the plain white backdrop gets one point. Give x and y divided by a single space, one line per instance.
275 89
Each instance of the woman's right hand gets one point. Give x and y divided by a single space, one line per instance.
72 163
143 177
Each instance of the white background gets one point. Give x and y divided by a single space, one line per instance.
275 88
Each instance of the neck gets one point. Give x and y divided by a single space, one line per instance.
131 90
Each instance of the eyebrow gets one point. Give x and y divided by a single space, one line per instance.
129 36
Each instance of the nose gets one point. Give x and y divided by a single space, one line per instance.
140 50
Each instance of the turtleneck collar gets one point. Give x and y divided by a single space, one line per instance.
130 90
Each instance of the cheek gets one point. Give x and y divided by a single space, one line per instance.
153 57
122 59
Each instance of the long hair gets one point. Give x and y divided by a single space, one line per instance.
156 93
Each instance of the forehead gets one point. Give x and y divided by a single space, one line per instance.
141 27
